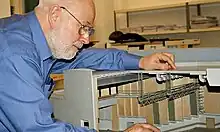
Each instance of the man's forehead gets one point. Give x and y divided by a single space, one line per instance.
86 14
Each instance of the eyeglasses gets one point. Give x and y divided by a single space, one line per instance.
84 29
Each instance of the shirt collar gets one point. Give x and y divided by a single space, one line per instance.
38 36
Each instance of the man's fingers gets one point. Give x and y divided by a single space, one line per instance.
142 127
169 55
151 127
167 59
172 58
161 66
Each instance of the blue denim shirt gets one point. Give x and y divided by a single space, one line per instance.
25 65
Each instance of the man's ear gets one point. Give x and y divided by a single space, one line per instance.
54 16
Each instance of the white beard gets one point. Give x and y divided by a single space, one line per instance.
61 49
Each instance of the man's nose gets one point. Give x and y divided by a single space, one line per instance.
85 39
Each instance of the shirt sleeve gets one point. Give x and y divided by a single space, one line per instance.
101 59
23 105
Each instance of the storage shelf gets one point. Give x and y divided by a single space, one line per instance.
150 8
203 2
205 29
131 43
167 6
184 4
163 32
181 31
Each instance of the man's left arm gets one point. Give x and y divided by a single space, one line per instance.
100 59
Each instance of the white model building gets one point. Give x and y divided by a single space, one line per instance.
176 100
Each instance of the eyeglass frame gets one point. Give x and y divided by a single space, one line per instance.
84 29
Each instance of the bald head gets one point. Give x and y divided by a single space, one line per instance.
77 7
62 21
48 2
83 10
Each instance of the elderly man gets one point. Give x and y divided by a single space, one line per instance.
48 40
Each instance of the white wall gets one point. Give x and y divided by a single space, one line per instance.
104 22
5 8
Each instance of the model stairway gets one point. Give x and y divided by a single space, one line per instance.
185 124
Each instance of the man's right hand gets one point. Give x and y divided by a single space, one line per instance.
142 127
158 61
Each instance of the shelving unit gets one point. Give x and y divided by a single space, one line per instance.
180 31
205 29
134 46
163 32
199 2
150 8
186 5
